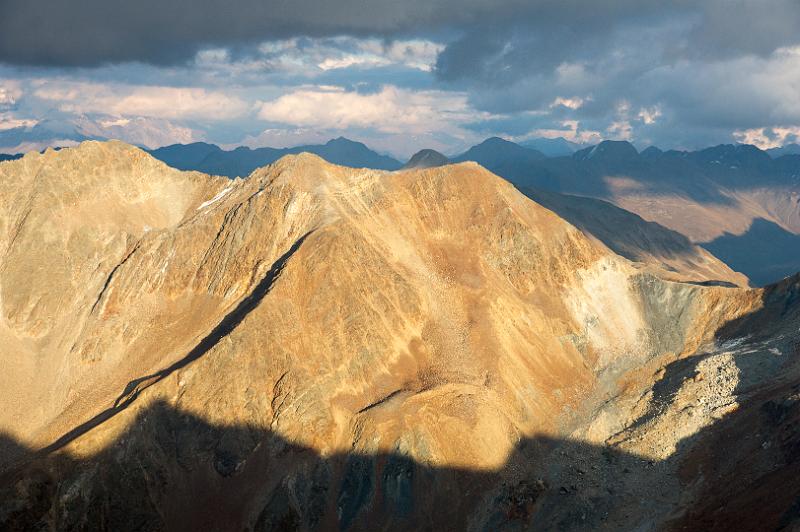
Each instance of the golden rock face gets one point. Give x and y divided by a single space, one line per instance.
324 347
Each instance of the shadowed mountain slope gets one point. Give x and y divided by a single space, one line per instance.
501 156
426 159
188 156
766 251
331 348
669 253
557 147
789 149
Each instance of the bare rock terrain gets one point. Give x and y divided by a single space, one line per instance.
323 348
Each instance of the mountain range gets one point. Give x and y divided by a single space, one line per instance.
555 147
240 162
726 198
317 347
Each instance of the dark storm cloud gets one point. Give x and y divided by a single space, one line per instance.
674 72
93 32
700 70
548 34
732 27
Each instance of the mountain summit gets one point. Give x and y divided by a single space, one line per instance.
608 151
427 159
557 147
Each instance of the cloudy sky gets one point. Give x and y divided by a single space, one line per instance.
399 75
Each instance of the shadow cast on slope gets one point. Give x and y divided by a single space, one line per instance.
766 252
221 330
590 177
172 470
750 457
624 232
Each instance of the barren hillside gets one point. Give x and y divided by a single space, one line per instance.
319 347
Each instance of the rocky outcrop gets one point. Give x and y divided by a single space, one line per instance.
318 347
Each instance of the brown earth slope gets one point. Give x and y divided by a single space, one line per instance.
318 347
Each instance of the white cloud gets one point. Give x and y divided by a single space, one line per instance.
392 110
9 121
132 100
571 131
334 63
312 58
344 52
142 131
569 103
743 93
284 137
766 138
417 53
620 130
649 115
111 122
10 93
26 146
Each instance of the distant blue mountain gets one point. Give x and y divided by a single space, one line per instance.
427 159
652 152
240 162
494 151
726 157
349 153
608 151
789 149
557 147
502 157
9 156
185 156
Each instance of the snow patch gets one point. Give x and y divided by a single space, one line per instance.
731 345
215 198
